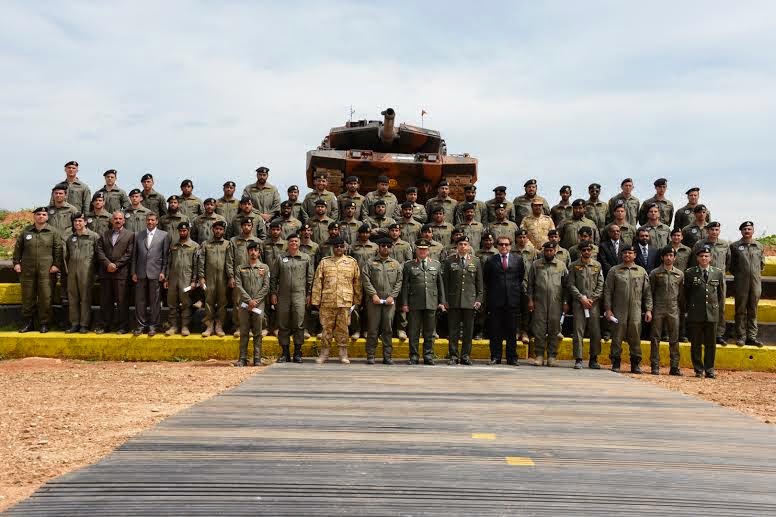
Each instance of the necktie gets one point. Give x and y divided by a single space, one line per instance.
423 264
149 238
644 254
504 263
706 275
616 247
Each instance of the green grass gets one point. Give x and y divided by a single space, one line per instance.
767 240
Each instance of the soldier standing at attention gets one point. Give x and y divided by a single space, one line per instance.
659 233
169 222
569 230
381 277
444 201
500 197
264 197
401 251
288 223
501 226
181 279
629 202
291 282
595 209
203 224
381 194
98 219
435 248
327 249
297 208
152 200
247 212
720 258
703 296
319 193
561 253
462 278
363 250
627 230
528 253
667 297
135 214
537 224
440 228
190 204
36 256
81 265
547 280
586 286
585 235
418 210
747 264
320 221
380 220
410 227
78 193
352 196
522 203
253 280
237 255
422 293
272 249
307 245
682 256
487 250
562 210
336 290
626 294
664 206
60 213
349 225
212 279
472 228
696 230
115 198
227 205
684 215
480 210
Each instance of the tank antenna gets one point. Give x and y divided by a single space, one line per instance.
423 113
351 112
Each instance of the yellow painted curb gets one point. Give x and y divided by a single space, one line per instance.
111 347
770 266
766 310
10 294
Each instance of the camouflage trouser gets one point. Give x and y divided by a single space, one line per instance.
335 321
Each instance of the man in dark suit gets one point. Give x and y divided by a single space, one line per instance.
149 270
114 255
610 250
504 273
646 253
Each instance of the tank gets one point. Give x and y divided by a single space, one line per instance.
410 156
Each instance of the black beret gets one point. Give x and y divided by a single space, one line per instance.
469 188
468 206
699 208
320 175
703 249
187 183
71 162
626 180
245 199
209 200
410 190
109 171
692 189
443 183
713 224
292 187
351 179
134 191
382 179
40 209
652 205
248 220
463 238
565 188
252 245
77 215
456 231
425 228
262 169
394 226
549 244
350 204
285 204
552 231
385 241
666 250
275 224
594 185
406 204
222 224
364 228
500 188
521 231
147 176
578 202
229 184
529 182
320 202
295 235
660 182
98 195
437 208
333 225
306 226
585 229
627 247
745 224
336 241
183 225
487 235
60 186
379 202
501 205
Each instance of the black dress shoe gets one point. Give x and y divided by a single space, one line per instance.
452 362
43 329
593 365
684 339
428 361
388 361
241 362
699 374
151 331
721 341
412 361
298 359
754 341
28 326
137 331
711 374
655 370
495 361
121 331
636 368
512 362
466 361
370 360
615 364
73 329
99 330
675 371
84 330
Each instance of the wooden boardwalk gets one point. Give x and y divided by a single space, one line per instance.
359 440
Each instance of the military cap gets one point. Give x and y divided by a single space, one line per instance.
529 182
98 195
549 244
60 186
336 241
627 247
552 231
275 224
351 179
462 238
537 201
565 188
500 188
71 162
456 231
619 203
364 228
578 202
501 205
292 187
406 204
437 208
262 169
40 209
320 174
425 228
222 224
379 202
229 184
285 204
385 241
245 199
306 226
382 179
585 245
521 231
703 249
692 189
187 183
594 185
699 208
666 250
350 204
652 205
713 224
173 198
422 244
109 171
585 230
470 188
183 225
626 180
247 220
487 235
134 191
294 235
147 176
468 206
393 226
676 230
333 225
252 245
660 182
745 224
443 183
410 190
209 200
77 215
320 202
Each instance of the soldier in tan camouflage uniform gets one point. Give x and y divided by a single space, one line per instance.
537 224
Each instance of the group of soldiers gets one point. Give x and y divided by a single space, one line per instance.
497 268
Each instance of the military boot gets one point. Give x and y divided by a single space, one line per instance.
243 361
655 369
219 329
592 363
615 364
26 326
208 330
256 354
635 367
284 354
323 355
551 361
370 359
171 331
343 354
297 353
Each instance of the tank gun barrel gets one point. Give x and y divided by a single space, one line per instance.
387 133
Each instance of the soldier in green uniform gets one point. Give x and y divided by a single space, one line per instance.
381 194
452 248
252 285
487 250
720 258
435 248
181 280
480 210
81 245
703 295
666 282
272 249
501 226
297 208
381 277
152 200
36 256
746 264
470 225
444 201
528 253
562 210
665 207
626 294
248 212
629 202
78 193
237 255
60 212
418 211
264 197
115 198
659 233
190 204
380 221
586 286
211 273
684 215
352 196
547 281
500 198
595 209
422 293
585 235
135 214
569 230
682 255
288 223
561 253
364 250
401 250
522 203
696 230
306 243
169 222
349 224
319 193
291 284
227 205
462 279
410 227
627 230
326 249
98 219
320 221
202 226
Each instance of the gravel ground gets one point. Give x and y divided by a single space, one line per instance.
57 416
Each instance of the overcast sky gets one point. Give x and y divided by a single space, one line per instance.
566 92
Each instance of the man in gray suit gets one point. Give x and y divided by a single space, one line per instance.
149 270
